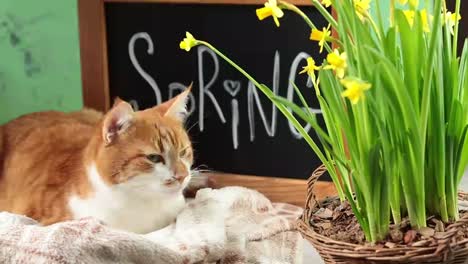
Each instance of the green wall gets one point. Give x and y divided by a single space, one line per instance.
39 57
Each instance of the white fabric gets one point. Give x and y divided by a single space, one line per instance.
229 225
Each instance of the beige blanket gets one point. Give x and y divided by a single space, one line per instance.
229 225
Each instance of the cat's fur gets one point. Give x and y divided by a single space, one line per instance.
58 166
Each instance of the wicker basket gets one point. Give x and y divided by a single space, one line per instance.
332 251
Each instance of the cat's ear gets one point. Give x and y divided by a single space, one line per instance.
117 101
177 106
116 121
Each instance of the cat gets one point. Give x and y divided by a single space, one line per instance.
126 168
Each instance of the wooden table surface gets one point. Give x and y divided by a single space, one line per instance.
284 190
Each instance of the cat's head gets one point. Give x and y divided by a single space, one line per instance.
146 150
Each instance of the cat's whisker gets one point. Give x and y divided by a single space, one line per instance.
192 126
198 121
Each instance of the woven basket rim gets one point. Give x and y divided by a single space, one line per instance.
446 249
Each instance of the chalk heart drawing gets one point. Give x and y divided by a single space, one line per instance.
232 87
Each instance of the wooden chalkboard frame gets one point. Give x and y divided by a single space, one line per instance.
93 44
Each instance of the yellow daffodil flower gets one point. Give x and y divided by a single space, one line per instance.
321 36
270 9
310 68
362 8
451 19
413 3
354 89
337 62
326 3
425 21
188 42
410 14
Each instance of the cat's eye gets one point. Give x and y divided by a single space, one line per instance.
184 152
155 158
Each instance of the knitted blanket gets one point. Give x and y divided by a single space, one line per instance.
229 225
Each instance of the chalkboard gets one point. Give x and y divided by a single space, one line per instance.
234 127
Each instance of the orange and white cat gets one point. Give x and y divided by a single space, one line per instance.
125 168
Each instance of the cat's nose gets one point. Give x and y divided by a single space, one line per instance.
180 176
180 172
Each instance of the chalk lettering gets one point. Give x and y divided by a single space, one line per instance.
252 96
292 76
204 89
150 50
233 88
235 123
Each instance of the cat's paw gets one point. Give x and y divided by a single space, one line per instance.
197 182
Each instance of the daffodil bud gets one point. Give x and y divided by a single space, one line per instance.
188 42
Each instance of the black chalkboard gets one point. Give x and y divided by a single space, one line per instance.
144 56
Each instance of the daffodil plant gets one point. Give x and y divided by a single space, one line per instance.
395 106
